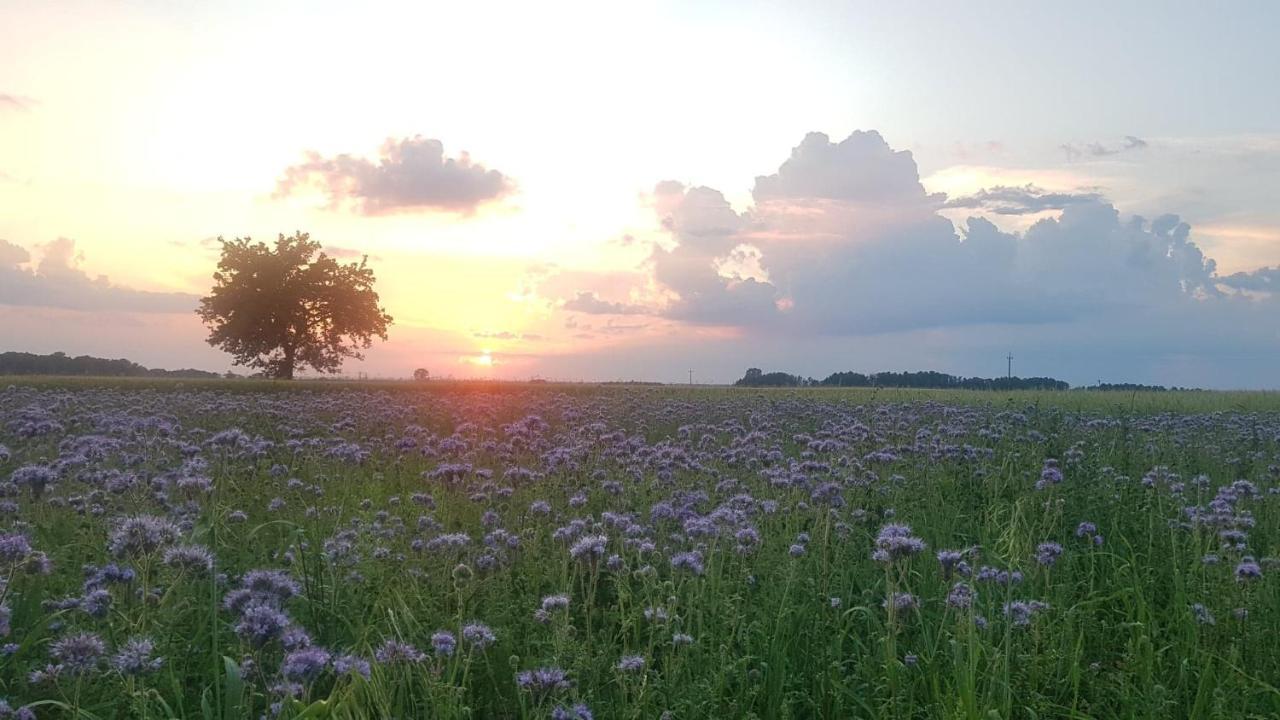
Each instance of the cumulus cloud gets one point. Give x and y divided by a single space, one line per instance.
1025 200
410 175
844 241
57 281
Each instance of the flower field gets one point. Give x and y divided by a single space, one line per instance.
235 550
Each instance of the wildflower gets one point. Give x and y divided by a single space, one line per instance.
1047 553
577 712
14 548
950 560
394 652
78 654
444 643
141 535
894 542
478 635
555 602
797 550
261 623
192 558
691 561
901 601
631 663
1020 612
136 657
97 603
352 665
294 638
543 681
1248 569
961 596
305 664
681 639
588 547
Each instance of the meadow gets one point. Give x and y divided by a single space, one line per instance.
225 550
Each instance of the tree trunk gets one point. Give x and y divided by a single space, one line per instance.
286 367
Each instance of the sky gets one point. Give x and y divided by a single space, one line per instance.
605 191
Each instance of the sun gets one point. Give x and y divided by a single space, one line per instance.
484 359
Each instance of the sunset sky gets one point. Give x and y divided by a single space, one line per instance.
600 191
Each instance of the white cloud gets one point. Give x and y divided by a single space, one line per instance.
410 175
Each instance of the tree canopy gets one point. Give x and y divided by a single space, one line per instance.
279 308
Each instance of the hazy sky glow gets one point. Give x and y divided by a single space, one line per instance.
599 191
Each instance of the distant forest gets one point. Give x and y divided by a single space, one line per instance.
20 363
755 377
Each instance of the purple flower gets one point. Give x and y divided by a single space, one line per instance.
691 561
544 681
631 663
97 603
305 664
352 665
588 547
555 602
478 635
394 652
141 535
14 548
895 541
1248 569
192 558
1047 553
577 712
1020 612
78 654
261 623
444 642
961 596
901 601
1202 614
136 657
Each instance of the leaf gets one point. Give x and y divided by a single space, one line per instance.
233 691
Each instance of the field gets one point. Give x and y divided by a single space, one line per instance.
240 550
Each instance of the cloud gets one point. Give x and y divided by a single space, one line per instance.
590 303
411 175
1097 149
1025 200
1265 279
827 250
57 281
859 168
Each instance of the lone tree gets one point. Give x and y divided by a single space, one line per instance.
279 308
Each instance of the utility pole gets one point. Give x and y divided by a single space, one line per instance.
1010 359
691 377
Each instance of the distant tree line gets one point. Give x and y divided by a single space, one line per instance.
1134 387
755 377
20 363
